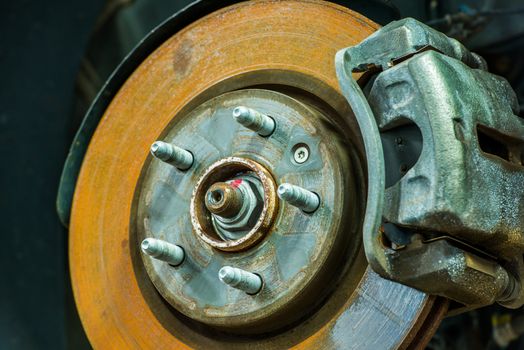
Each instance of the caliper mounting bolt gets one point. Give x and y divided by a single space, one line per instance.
299 197
172 154
164 251
254 120
239 279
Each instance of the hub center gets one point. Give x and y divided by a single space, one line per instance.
234 204
245 215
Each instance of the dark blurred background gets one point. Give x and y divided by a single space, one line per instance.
54 57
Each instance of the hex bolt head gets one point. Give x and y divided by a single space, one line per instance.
239 279
164 251
299 197
254 120
172 154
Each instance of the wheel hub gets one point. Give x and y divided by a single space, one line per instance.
232 216
229 184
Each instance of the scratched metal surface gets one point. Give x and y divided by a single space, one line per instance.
380 316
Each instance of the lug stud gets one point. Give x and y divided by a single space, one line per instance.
254 120
239 279
299 197
172 154
162 250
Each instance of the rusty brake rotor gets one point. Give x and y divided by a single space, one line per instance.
240 261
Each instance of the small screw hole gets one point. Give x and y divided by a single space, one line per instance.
216 196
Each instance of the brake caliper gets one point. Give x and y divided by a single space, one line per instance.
445 155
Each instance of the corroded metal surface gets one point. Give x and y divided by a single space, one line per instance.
297 254
224 199
223 170
295 44
471 143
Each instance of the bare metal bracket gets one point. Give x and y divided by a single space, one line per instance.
445 153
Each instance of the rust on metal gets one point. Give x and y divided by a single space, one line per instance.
289 43
221 171
224 199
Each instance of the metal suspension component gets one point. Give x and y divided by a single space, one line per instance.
162 250
254 120
172 154
243 280
299 197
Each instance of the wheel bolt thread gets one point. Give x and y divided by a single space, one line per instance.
299 197
172 154
237 278
164 251
254 120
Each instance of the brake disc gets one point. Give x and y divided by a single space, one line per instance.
210 200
